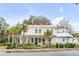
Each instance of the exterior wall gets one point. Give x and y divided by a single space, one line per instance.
60 30
31 30
66 40
54 40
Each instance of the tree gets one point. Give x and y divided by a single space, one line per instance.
48 33
64 23
33 20
76 36
3 26
24 28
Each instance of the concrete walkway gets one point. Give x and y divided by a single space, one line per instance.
38 50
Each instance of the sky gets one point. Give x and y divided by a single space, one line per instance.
17 12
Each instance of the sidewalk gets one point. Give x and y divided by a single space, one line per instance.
38 50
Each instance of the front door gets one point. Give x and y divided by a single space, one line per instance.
36 41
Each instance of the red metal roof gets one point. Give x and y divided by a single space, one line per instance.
40 25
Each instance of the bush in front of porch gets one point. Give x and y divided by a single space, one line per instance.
60 45
11 45
29 46
70 45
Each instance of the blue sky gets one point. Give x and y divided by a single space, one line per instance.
14 13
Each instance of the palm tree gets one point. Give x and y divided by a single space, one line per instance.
48 33
24 29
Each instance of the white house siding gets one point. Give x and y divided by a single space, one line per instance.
26 40
21 41
56 40
66 40
31 30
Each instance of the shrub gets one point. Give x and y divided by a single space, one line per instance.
56 45
61 45
19 46
70 45
11 45
28 47
51 46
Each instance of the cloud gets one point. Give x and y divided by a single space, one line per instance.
61 9
56 20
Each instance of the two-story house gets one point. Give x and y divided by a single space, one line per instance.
35 35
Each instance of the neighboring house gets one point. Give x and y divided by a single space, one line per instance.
35 35
63 35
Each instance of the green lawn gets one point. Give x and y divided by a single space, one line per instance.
2 47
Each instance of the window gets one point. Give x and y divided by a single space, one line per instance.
39 40
39 30
63 31
63 39
32 39
49 39
43 40
67 39
35 30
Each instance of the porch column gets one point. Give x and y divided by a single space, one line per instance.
46 41
13 39
20 40
41 41
38 41
33 40
27 40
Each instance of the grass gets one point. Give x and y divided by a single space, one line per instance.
2 47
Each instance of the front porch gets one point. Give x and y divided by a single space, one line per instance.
36 40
